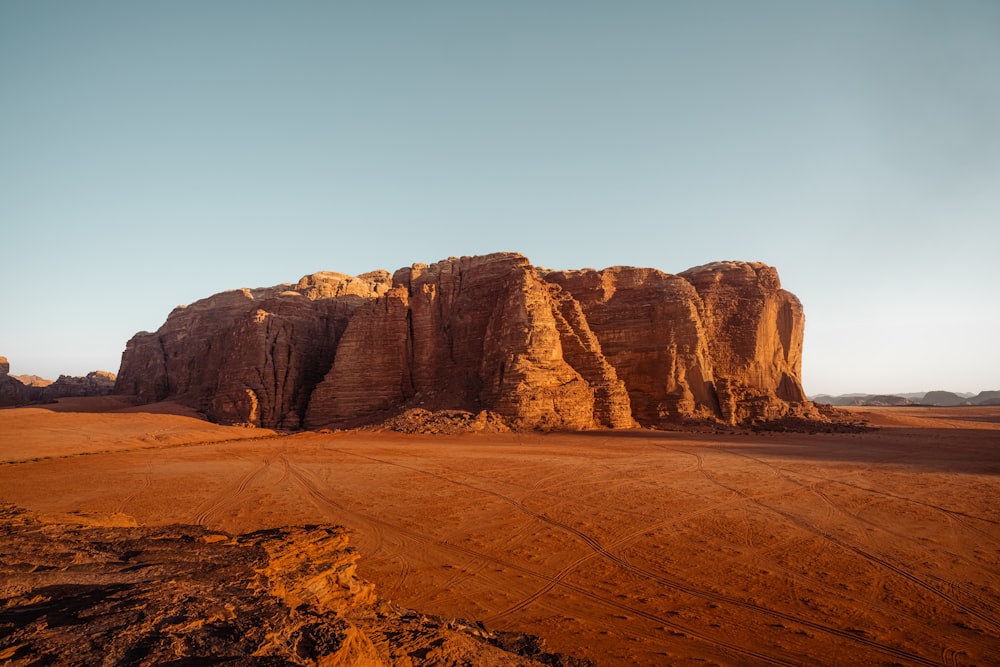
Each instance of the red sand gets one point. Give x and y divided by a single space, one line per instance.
635 547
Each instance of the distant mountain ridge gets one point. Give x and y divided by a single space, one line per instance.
936 398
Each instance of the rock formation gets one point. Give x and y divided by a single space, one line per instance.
945 398
542 349
468 334
991 397
96 383
14 391
89 590
248 356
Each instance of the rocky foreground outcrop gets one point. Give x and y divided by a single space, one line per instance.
94 590
491 336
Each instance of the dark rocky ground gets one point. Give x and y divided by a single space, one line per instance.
88 590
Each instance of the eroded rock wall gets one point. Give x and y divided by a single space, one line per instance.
248 356
650 330
754 331
472 333
12 391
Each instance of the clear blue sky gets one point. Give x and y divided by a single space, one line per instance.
153 153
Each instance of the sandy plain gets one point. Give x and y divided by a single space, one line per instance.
627 548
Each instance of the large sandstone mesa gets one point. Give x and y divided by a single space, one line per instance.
492 334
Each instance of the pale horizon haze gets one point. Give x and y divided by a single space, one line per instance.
152 154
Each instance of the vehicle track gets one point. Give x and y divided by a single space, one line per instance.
209 509
881 559
147 481
962 518
373 526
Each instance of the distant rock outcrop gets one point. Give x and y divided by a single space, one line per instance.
945 398
864 399
932 398
540 349
13 391
986 398
96 383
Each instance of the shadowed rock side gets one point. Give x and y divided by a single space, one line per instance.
14 391
554 350
248 356
91 590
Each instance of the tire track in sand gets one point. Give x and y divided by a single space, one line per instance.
209 509
874 557
147 481
948 590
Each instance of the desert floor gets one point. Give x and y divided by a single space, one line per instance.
628 548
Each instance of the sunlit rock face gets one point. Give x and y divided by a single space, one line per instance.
471 334
552 350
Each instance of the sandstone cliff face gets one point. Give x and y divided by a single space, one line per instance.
649 326
471 334
248 356
754 332
543 349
